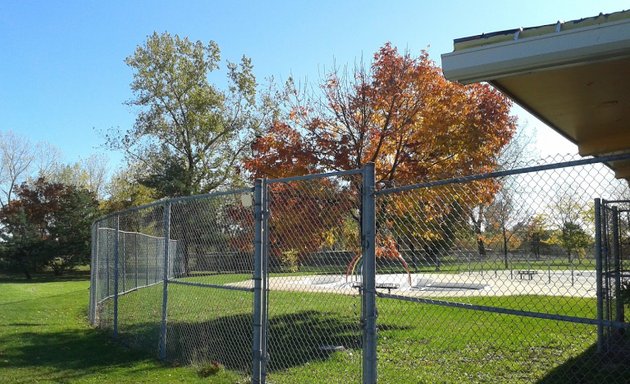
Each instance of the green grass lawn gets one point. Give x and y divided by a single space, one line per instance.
417 343
44 337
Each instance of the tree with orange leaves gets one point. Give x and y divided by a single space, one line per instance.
402 115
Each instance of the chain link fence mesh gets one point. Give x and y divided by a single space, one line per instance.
314 308
478 279
103 308
213 267
493 279
141 251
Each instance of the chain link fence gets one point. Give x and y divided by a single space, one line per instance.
314 311
515 276
501 270
162 278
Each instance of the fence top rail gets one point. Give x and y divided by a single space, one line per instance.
174 200
314 176
511 172
134 233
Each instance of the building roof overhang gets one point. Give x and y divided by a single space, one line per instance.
573 76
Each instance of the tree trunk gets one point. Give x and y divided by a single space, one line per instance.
505 248
25 269
433 257
481 248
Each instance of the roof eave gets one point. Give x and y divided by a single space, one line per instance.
576 46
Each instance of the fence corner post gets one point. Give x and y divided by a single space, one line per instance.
257 320
135 256
167 236
116 257
93 268
368 249
616 254
598 276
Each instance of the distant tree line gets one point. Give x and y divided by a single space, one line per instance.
47 226
46 206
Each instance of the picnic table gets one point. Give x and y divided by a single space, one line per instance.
388 286
528 273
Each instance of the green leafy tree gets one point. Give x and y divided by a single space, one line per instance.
570 216
70 230
48 225
573 239
188 135
21 241
123 192
534 233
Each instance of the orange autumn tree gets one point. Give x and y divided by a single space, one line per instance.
311 218
399 113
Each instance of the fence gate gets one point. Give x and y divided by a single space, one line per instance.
309 284
614 223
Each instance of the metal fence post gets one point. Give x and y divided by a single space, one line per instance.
107 262
167 235
257 352
616 253
97 269
93 268
135 254
97 265
159 252
368 234
598 275
146 259
116 276
123 264
265 279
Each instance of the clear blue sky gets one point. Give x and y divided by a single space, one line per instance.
62 71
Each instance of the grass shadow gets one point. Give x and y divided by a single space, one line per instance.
71 354
591 367
294 339
15 278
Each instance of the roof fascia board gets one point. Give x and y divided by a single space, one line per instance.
564 48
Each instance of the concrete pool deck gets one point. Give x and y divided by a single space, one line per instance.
463 284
